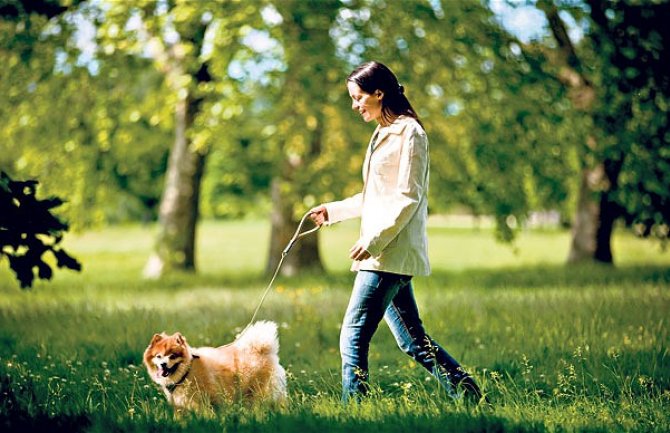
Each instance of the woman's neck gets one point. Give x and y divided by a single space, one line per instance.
385 121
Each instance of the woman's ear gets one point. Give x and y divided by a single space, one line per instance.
379 94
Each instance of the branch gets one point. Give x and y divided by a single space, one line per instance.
582 92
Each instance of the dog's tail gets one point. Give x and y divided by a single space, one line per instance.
261 337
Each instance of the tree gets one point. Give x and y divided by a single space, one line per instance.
624 162
582 93
635 109
303 120
192 44
179 206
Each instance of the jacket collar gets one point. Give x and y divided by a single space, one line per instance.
378 137
395 128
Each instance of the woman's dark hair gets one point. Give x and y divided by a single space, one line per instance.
372 76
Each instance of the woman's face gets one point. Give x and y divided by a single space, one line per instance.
368 105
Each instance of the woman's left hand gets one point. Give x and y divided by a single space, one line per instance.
357 252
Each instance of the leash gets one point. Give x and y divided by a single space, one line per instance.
296 236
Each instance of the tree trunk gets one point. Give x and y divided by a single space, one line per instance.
608 215
179 207
609 210
594 219
304 255
585 225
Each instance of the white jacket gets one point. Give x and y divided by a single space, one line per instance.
393 205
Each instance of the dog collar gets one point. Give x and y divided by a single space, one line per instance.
171 387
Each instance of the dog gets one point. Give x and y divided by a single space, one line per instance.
246 370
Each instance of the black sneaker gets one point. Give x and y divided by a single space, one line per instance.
471 390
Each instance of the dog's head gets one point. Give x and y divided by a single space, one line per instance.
165 355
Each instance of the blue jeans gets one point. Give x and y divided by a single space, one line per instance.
382 294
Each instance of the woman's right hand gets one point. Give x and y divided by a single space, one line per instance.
319 215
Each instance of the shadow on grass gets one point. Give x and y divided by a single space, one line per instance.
545 276
14 418
526 277
22 422
274 422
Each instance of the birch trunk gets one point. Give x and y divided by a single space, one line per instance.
179 207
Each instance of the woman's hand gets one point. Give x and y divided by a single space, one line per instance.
357 252
319 215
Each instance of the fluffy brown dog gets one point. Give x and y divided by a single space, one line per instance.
246 370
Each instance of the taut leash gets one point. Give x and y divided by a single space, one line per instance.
297 235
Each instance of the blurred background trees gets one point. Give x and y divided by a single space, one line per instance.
174 110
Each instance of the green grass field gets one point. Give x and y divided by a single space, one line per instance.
555 348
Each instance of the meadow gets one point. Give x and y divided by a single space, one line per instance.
555 348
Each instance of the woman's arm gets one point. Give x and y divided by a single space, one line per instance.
336 211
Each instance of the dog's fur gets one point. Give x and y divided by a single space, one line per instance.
246 370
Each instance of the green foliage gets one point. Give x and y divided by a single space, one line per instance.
632 40
240 173
28 230
95 133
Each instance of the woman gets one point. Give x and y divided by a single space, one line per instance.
392 245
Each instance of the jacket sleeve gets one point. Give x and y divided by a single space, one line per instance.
410 188
344 209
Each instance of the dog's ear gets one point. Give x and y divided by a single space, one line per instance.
157 338
180 339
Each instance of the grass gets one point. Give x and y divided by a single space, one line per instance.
555 348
